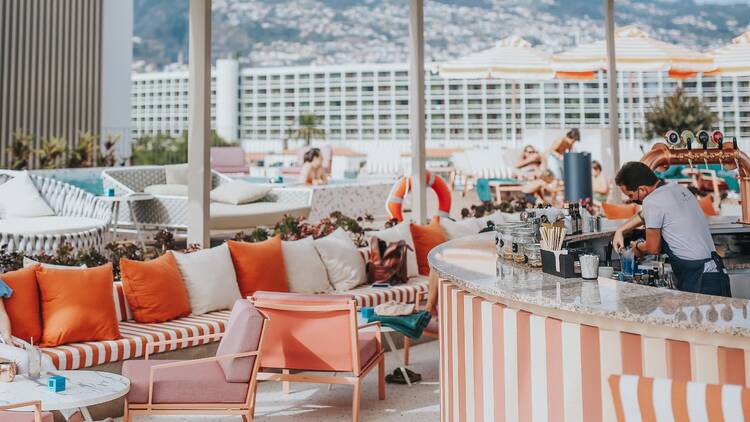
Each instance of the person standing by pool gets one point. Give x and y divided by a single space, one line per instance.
599 183
558 149
313 172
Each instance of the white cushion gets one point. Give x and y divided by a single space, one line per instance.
176 174
456 229
240 217
49 225
167 190
305 271
401 231
28 262
19 198
209 278
343 262
238 192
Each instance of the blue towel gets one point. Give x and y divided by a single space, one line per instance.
5 290
484 193
408 325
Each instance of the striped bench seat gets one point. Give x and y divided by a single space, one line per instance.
135 336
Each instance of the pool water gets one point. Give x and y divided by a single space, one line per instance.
90 181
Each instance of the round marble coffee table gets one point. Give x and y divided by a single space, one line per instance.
82 389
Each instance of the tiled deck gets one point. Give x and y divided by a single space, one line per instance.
313 403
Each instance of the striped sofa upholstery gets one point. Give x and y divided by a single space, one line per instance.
136 336
639 399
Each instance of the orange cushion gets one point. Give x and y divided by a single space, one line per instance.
77 305
619 211
259 266
707 205
23 305
425 238
154 289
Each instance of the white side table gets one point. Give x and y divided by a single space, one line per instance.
387 333
129 199
82 389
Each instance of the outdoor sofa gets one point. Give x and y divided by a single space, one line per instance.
168 209
80 219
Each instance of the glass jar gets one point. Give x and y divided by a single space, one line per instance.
522 236
505 240
534 255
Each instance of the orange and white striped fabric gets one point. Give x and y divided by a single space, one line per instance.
641 399
135 337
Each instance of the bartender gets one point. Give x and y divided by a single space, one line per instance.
676 226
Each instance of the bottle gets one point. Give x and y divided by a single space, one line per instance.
568 219
576 220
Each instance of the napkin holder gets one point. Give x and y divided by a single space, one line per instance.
559 263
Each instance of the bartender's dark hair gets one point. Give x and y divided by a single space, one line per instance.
634 174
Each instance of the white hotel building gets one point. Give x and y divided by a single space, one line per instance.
368 104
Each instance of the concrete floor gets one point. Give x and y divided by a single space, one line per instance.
313 403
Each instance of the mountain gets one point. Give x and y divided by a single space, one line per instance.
299 32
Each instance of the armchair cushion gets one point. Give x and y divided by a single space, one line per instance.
425 238
368 347
238 192
304 268
345 265
8 416
167 190
200 383
456 229
242 335
176 174
20 198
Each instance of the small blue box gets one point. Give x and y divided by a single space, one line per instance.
367 312
56 384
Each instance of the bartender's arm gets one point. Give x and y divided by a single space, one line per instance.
618 242
650 246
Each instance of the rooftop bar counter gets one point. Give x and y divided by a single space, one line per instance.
520 345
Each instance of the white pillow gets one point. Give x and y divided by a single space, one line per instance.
456 229
19 198
209 278
176 174
168 190
239 192
305 271
28 262
345 265
401 231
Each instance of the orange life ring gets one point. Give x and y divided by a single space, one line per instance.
402 188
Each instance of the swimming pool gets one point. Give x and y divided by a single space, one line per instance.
88 179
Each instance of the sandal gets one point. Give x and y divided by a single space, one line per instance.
397 377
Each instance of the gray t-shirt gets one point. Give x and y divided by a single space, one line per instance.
675 210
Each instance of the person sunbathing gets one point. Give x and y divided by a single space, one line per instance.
543 190
529 166
313 172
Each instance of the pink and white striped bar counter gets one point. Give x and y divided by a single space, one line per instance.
519 345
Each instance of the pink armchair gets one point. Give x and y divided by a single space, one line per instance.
6 415
224 384
229 160
318 333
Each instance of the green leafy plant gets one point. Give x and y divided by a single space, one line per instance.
307 128
51 154
678 112
20 150
86 152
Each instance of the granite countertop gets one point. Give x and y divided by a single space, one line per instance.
472 263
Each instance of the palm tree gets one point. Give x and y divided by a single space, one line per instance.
308 128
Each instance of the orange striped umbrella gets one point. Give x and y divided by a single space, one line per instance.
734 59
635 51
512 58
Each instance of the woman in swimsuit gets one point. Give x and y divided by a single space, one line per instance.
529 165
313 172
560 147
